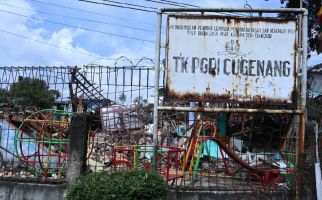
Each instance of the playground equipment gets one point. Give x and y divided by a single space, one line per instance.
139 156
185 161
41 142
195 148
207 143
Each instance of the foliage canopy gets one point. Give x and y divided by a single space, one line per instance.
32 92
313 7
121 185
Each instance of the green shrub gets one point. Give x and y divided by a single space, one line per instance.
120 185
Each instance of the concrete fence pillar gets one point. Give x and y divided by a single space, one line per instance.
77 148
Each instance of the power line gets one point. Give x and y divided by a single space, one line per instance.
172 3
81 19
180 3
119 6
130 4
91 12
48 44
165 3
62 47
82 28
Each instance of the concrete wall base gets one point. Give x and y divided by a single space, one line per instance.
224 195
10 190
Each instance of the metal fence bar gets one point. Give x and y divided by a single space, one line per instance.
261 10
304 60
229 110
156 89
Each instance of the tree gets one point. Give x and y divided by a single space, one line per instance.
122 98
140 101
313 7
3 95
32 92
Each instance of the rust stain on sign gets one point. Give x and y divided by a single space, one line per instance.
211 58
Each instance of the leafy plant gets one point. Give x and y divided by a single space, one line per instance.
3 95
32 92
122 98
140 101
121 185
313 7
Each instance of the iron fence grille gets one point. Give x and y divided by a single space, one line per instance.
234 153
37 104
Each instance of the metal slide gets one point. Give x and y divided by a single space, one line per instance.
234 157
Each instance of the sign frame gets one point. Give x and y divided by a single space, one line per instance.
246 90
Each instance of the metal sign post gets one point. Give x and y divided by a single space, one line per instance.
156 90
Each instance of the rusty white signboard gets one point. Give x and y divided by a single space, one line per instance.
211 58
